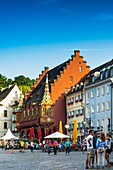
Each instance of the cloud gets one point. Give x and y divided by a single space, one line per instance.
46 2
104 17
66 11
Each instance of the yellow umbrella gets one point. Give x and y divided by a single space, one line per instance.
75 135
60 128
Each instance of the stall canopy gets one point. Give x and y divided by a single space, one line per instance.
57 135
9 136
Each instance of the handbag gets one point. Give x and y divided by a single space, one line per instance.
101 150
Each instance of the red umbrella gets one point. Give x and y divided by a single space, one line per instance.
51 130
30 134
57 129
39 133
47 132
33 136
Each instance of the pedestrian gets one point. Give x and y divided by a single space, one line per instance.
108 151
49 146
32 146
67 146
22 145
95 137
12 145
90 150
101 145
2 144
7 146
55 147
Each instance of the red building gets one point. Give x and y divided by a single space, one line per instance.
45 103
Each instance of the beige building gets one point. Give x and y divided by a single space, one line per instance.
75 101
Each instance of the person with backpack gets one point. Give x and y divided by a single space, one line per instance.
101 145
108 150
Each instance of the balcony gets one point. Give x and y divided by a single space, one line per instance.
46 121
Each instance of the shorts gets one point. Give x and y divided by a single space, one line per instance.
108 151
90 153
11 147
22 147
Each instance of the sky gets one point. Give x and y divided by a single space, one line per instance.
39 33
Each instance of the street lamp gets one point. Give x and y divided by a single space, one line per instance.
67 127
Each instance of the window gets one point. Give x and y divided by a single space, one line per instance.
80 68
92 108
92 93
5 125
76 98
24 113
101 76
5 113
108 89
98 123
108 105
92 123
28 112
102 122
112 72
87 97
106 73
98 107
108 123
71 79
87 112
66 90
103 106
98 92
103 90
93 79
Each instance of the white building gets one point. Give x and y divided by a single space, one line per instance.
8 97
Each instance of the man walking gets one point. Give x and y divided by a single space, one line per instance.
90 151
95 137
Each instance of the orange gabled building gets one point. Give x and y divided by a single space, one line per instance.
57 82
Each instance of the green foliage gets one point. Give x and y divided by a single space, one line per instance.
35 140
21 81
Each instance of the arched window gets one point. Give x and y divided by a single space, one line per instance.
5 125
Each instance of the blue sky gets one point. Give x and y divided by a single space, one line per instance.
38 33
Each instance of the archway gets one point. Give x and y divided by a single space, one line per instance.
35 133
23 134
28 133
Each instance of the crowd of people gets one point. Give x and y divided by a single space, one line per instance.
99 147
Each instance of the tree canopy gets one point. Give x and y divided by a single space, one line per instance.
21 81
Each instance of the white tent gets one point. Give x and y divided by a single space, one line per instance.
57 135
9 136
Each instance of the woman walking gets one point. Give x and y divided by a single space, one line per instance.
49 146
108 151
67 146
101 145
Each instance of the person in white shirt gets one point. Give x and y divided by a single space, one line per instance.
90 150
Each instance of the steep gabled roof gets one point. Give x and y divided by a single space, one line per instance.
37 94
88 77
4 93
105 66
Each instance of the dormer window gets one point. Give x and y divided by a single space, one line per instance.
106 74
112 72
101 76
93 79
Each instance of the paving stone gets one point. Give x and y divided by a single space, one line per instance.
39 160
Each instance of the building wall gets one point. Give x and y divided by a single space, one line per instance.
63 82
98 100
13 96
74 107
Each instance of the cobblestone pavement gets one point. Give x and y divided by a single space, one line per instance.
39 160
